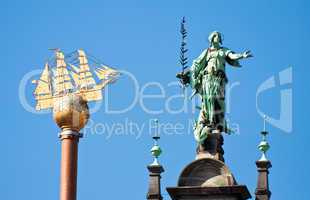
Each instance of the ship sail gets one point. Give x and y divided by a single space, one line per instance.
62 79
76 78
75 75
86 80
106 75
101 73
43 91
75 68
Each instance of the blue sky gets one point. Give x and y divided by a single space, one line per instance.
142 37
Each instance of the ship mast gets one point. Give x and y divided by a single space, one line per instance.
62 79
86 80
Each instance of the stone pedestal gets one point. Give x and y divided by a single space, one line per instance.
211 147
262 190
154 192
207 179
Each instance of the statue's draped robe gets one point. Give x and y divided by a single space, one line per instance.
208 79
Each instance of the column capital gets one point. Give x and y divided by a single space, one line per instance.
155 169
263 164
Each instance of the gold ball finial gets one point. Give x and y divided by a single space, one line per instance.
71 112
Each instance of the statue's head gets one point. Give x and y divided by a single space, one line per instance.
215 37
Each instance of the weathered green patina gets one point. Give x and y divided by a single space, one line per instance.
208 79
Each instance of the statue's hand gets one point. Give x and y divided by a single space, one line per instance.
184 78
247 54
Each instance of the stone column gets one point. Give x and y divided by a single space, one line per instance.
154 192
262 190
68 171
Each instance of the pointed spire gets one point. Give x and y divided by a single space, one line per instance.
262 191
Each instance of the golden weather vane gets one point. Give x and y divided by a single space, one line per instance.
74 77
66 84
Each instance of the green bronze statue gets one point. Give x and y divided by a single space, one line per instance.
208 79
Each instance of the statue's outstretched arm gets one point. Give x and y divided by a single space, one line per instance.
238 56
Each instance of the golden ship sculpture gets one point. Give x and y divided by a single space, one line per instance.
75 77
66 85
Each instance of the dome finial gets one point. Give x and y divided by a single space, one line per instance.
156 150
264 145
